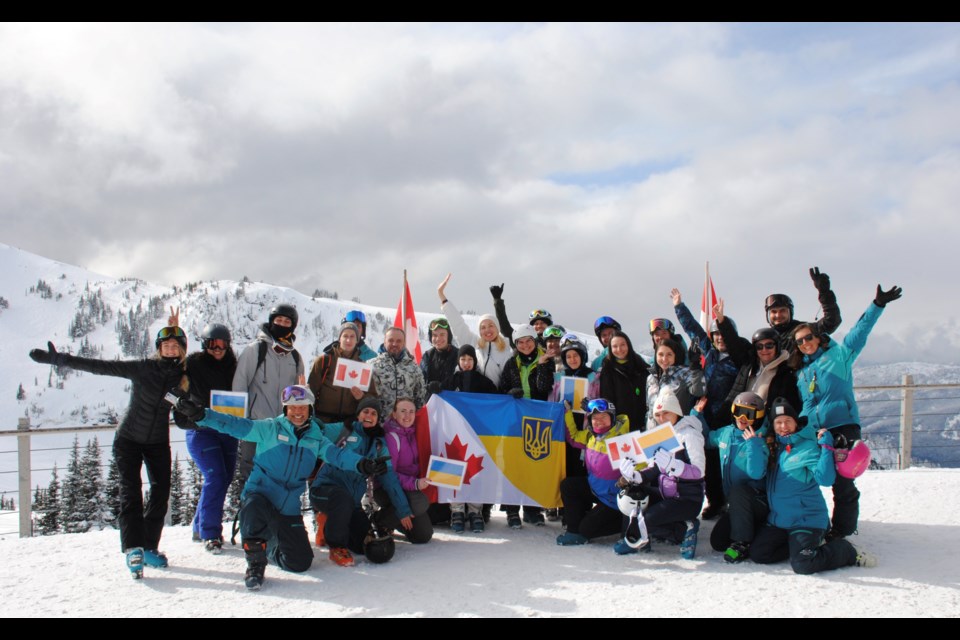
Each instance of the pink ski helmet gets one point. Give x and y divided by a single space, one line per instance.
852 462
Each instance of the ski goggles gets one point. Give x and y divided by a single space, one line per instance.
569 340
750 413
216 344
356 316
439 323
599 405
555 333
661 323
605 321
765 346
294 395
170 332
540 314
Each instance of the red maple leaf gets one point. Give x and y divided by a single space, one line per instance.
352 374
456 450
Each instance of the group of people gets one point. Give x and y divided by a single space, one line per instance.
756 419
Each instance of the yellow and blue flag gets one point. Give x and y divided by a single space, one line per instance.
514 450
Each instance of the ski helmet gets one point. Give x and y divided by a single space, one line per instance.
852 462
661 323
766 333
626 503
605 322
172 333
748 404
600 405
297 395
378 548
541 314
286 310
571 342
526 331
715 327
775 300
214 331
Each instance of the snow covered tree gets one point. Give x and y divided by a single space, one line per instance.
111 492
21 394
72 511
176 492
92 485
48 511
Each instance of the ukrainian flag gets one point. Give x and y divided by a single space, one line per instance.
514 449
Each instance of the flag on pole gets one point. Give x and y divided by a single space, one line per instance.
407 320
707 301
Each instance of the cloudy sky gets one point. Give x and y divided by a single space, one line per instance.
590 167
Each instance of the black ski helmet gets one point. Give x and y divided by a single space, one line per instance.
378 549
172 333
777 300
604 322
715 327
287 310
214 331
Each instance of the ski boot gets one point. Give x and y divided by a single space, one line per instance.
135 562
688 546
256 552
213 546
457 522
155 559
737 552
476 523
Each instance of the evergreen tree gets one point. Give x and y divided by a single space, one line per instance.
176 492
111 491
49 522
92 486
21 394
72 510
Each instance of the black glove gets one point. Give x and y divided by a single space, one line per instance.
497 292
433 387
376 467
583 404
820 280
50 356
693 358
883 297
191 407
516 392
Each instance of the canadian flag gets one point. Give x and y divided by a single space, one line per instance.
707 301
351 373
407 320
622 447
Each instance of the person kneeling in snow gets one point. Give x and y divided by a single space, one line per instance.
288 446
663 500
359 515
798 513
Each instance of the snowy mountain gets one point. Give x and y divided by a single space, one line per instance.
92 314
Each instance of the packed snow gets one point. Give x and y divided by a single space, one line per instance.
909 519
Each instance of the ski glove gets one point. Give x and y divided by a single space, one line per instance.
497 292
820 280
826 440
50 356
191 408
376 467
883 297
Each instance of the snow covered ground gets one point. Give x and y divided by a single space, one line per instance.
910 519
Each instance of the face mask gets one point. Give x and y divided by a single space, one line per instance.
279 332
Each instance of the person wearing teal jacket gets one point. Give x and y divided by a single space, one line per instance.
743 458
825 380
339 492
798 513
287 449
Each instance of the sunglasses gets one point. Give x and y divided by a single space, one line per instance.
805 338
765 346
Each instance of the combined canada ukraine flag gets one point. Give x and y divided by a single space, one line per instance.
514 450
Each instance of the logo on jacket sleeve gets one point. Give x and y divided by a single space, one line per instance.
536 437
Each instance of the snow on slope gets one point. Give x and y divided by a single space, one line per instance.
909 518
